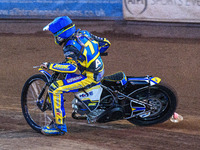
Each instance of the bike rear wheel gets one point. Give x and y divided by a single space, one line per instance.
37 112
162 98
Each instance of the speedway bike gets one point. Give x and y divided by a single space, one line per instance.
143 101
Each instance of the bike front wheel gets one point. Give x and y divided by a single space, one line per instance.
35 102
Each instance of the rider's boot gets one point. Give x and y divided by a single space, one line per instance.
55 129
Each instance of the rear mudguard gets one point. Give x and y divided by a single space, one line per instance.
47 75
144 80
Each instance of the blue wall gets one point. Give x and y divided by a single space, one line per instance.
80 9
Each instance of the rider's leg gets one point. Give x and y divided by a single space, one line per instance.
56 95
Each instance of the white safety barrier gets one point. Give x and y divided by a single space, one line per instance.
162 10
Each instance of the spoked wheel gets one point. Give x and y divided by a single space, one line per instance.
35 102
163 102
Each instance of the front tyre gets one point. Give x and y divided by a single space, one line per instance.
36 112
162 98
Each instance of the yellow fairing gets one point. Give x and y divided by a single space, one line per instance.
92 104
156 80
133 109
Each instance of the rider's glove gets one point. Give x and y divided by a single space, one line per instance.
44 65
71 61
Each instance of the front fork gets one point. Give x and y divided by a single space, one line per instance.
45 104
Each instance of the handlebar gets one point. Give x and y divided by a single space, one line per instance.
36 67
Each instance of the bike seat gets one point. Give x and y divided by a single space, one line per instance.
118 78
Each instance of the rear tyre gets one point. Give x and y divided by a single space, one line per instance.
32 110
163 100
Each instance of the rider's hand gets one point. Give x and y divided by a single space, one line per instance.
44 65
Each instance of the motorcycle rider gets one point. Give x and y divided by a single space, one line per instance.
81 50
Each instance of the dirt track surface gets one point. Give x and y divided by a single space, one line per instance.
175 61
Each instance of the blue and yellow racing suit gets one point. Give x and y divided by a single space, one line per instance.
82 50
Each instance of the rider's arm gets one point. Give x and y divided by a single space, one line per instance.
104 43
65 67
69 66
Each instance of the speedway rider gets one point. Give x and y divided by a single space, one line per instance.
81 50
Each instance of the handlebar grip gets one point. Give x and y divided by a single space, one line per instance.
104 54
36 66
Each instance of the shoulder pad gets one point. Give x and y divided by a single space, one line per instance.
74 43
84 32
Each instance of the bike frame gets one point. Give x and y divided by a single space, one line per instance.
149 81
